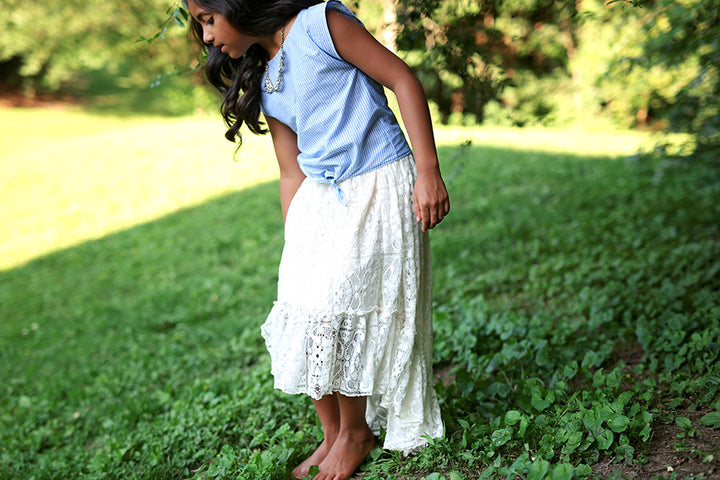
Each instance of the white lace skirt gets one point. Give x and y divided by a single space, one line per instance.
353 313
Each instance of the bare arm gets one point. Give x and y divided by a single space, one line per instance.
357 46
286 150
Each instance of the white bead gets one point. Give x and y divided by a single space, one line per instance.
269 87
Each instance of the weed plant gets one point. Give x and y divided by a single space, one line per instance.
576 305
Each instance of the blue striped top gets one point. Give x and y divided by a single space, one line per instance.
340 115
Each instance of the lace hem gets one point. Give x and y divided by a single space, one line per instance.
358 353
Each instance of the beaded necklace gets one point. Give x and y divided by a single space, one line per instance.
269 87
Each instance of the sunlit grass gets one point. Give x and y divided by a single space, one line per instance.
578 140
69 176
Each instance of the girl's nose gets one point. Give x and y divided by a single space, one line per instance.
208 37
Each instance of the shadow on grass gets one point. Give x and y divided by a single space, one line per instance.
171 309
155 274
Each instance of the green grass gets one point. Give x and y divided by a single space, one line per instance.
70 176
576 304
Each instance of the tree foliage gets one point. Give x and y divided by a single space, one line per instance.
682 38
647 63
50 46
471 52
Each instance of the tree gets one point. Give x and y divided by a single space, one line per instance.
684 37
49 46
470 52
660 67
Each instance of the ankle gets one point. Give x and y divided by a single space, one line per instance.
331 434
359 433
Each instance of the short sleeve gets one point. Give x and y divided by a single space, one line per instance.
317 26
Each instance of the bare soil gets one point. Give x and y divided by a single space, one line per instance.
672 454
9 99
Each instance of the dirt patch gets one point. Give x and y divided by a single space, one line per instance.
9 99
631 353
443 375
672 453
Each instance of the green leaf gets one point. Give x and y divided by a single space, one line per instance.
570 370
712 420
604 438
538 402
524 422
285 455
538 469
590 420
500 389
543 357
589 360
573 442
512 417
519 466
624 452
547 441
583 470
501 436
547 446
487 472
684 423
599 379
492 468
562 471
605 413
619 423
645 432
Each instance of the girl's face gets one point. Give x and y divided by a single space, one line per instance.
217 31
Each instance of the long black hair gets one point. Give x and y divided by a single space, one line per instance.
239 80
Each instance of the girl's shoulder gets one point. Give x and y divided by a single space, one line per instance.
315 23
317 14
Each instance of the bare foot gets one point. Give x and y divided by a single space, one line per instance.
346 454
303 470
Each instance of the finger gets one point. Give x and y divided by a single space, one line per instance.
439 212
416 207
426 220
434 217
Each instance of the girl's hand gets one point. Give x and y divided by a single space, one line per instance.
356 46
430 198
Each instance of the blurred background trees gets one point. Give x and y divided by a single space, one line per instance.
49 46
644 64
679 49
648 64
89 51
496 59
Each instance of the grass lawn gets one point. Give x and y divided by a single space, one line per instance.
69 176
576 306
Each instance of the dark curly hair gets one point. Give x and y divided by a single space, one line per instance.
239 80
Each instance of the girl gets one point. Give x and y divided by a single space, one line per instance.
351 326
